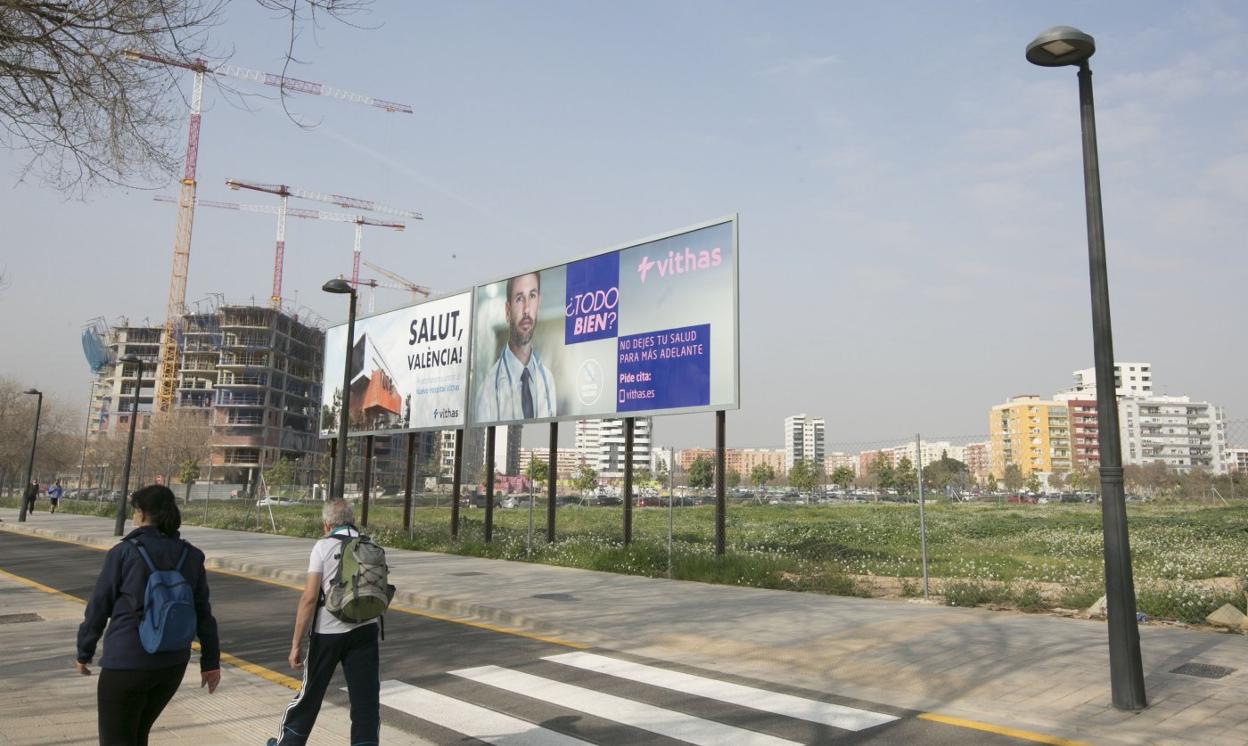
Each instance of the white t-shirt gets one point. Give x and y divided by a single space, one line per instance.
326 556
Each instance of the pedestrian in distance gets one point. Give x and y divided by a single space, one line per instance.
343 628
153 594
54 495
31 494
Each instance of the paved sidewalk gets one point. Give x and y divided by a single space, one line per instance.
46 701
1037 673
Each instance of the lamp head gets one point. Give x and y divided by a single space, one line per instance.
33 391
1060 46
338 285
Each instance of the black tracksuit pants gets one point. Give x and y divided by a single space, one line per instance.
357 650
130 701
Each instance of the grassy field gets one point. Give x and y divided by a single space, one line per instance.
1188 558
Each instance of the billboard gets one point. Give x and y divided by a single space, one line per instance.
649 328
409 369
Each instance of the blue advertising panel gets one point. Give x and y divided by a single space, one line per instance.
649 328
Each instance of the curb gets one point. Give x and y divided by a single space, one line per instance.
448 609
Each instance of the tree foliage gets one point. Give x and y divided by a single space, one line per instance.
701 473
585 479
762 474
537 470
804 475
842 476
1013 478
80 113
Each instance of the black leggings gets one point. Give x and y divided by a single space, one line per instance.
130 701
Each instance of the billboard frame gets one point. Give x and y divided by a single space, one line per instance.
333 435
732 218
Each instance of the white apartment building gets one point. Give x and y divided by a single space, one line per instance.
1173 430
601 444
1130 379
803 439
932 451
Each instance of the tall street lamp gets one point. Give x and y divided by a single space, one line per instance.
1058 47
338 476
120 525
34 440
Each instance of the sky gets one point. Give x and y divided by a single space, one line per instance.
912 229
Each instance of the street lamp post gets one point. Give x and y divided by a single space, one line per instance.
1061 46
120 525
338 478
30 466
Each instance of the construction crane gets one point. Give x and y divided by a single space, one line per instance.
403 281
282 212
166 374
285 192
371 284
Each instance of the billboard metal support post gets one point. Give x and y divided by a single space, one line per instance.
721 501
629 424
368 478
918 457
34 441
119 526
407 483
489 484
456 483
552 474
671 494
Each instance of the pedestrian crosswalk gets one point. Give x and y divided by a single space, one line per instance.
603 699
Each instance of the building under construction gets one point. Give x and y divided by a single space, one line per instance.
253 371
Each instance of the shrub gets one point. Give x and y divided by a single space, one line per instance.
973 593
1029 599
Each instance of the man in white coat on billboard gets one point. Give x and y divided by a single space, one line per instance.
518 386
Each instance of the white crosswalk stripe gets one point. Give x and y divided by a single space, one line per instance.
839 716
647 717
469 719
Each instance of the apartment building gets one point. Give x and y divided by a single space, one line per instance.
1172 430
803 440
600 443
837 459
978 459
1032 433
1130 379
115 383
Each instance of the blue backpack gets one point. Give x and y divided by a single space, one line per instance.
169 621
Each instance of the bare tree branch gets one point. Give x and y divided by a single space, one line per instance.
82 116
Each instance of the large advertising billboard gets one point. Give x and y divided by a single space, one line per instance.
650 328
409 369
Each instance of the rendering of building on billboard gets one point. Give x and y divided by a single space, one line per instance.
646 329
409 369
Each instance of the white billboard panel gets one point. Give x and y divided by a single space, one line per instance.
409 369
646 329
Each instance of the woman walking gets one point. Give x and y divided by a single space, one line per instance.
135 684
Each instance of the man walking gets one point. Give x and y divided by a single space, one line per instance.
333 641
32 492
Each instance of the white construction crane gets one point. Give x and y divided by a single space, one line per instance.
166 374
285 192
405 283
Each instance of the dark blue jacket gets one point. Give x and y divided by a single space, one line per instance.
119 592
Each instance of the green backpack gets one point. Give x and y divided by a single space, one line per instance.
360 591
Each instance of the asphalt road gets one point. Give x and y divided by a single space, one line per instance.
436 674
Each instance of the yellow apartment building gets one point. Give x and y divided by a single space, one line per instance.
1032 433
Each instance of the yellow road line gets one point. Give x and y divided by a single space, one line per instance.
40 586
404 609
251 668
1024 735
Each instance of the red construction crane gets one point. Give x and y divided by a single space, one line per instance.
403 281
166 374
284 191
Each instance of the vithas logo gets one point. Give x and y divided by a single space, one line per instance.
678 263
